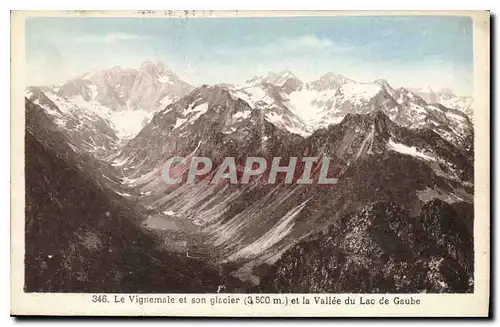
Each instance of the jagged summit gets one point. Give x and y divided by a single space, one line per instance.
329 81
275 78
159 68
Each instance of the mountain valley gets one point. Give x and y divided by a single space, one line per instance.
400 218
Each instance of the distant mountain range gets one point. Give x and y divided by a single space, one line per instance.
400 158
128 98
447 98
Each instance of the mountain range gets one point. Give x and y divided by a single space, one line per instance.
404 198
447 98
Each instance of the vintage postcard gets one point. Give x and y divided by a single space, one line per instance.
182 163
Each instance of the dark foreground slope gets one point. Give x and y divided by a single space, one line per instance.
81 238
382 249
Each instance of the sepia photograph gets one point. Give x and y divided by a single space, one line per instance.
187 153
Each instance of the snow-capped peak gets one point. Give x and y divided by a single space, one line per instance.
158 70
275 78
126 98
446 97
329 81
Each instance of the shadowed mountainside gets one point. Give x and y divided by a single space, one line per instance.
382 249
80 237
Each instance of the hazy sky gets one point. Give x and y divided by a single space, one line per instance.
433 51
